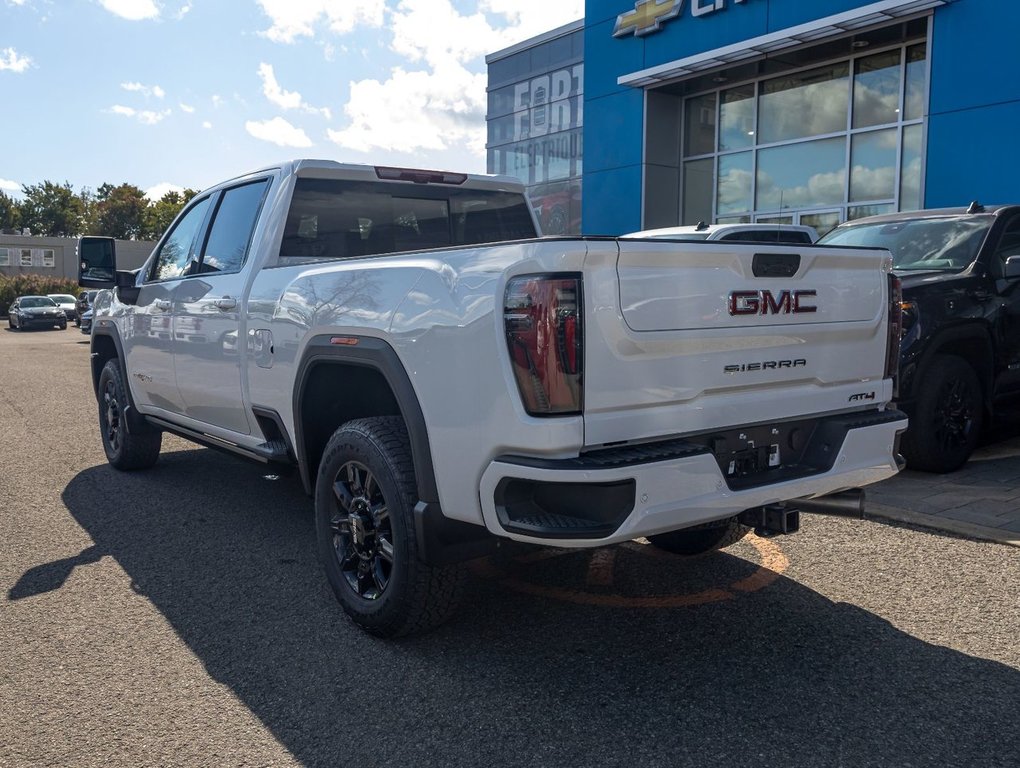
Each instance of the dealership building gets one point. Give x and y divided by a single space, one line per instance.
759 110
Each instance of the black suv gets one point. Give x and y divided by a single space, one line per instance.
83 305
960 349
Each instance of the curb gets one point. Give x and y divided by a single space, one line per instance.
970 530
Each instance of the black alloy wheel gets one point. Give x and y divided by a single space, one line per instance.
109 415
365 494
362 533
946 425
125 449
954 415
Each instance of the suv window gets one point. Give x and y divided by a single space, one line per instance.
769 236
334 219
920 244
226 248
172 257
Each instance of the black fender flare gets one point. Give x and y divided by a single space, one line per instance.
971 333
134 421
374 353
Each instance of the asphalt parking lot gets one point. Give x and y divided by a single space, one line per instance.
179 617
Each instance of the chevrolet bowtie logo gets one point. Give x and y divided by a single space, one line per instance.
647 16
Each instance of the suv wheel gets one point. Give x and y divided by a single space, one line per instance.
695 541
124 450
365 494
946 424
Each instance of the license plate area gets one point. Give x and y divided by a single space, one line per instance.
769 453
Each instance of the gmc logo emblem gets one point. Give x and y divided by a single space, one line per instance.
768 303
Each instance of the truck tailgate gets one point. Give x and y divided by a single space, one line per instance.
685 337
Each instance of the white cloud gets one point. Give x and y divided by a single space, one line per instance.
143 116
146 90
443 105
10 186
186 108
299 18
207 125
278 131
272 90
416 110
157 191
132 10
283 98
11 61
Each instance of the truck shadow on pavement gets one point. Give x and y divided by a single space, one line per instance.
782 676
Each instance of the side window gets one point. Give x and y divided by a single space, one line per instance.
794 236
230 234
1009 243
172 258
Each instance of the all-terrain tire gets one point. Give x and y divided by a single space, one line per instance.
695 541
365 493
946 423
124 450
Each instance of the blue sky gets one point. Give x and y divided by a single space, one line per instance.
185 93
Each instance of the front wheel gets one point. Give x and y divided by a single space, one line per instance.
365 494
946 425
124 450
696 541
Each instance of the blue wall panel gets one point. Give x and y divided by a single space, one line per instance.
975 55
974 155
617 121
612 201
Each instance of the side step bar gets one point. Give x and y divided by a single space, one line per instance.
274 452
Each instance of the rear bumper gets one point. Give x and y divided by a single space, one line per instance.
613 496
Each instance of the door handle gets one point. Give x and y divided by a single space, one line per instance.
226 303
163 304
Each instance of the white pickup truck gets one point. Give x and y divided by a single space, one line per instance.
443 379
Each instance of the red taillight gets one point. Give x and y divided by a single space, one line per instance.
895 331
543 318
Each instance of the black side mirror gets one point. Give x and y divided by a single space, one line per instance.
97 262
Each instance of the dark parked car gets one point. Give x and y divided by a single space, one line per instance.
37 311
86 322
84 303
960 348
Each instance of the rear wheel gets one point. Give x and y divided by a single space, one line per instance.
124 450
365 494
946 424
695 541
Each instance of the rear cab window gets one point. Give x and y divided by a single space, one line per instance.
338 219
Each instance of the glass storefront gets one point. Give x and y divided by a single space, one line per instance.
816 146
535 118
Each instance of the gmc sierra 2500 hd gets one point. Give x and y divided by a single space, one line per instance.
441 378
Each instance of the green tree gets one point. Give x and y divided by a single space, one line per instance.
89 212
120 211
161 213
51 209
10 214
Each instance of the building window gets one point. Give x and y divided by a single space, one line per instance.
26 257
48 258
817 146
535 121
5 257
